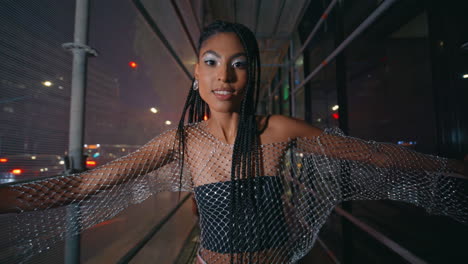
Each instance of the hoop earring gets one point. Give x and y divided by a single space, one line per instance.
195 85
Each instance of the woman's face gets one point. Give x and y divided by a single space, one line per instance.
221 72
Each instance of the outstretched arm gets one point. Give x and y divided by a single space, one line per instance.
62 190
337 168
382 155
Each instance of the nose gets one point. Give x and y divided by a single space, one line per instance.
225 74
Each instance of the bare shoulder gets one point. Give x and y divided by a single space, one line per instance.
293 127
280 128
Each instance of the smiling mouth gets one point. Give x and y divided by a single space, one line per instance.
223 92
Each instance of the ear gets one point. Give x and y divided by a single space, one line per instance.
196 71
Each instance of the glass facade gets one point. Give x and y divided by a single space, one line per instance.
386 85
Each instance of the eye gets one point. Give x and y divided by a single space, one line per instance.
240 64
210 62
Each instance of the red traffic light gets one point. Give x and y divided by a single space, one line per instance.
133 64
335 116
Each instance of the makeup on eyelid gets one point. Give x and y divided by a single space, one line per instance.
211 57
243 62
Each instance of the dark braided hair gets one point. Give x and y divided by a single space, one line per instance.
246 156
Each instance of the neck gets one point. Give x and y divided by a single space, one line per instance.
224 125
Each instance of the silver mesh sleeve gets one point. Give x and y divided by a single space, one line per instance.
39 206
368 170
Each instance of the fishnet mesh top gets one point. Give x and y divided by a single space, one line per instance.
302 180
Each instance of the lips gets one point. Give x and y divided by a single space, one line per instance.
223 94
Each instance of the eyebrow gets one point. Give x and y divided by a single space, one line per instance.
217 55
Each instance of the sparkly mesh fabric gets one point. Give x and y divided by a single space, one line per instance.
301 181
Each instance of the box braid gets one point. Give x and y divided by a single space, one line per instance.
246 155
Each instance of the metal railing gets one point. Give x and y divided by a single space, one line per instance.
154 27
363 26
384 240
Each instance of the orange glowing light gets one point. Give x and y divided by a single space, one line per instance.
205 117
3 160
17 171
133 64
91 163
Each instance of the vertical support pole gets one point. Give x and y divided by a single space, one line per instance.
78 88
271 93
73 238
307 88
280 92
292 96
270 103
76 133
342 99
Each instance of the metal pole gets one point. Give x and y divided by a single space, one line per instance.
73 237
341 90
363 26
392 245
270 103
281 94
152 24
76 134
328 251
184 26
307 92
78 89
195 15
317 26
292 97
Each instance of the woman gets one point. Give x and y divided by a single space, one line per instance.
264 185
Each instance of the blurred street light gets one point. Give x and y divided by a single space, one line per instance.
465 76
47 83
335 107
154 110
133 64
168 122
17 171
